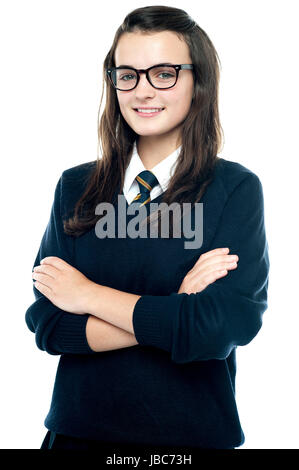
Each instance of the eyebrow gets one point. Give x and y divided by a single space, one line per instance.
132 66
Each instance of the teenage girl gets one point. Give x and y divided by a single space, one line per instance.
147 327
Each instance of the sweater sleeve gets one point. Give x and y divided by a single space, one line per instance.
227 313
56 331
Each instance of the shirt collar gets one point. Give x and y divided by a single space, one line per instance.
163 171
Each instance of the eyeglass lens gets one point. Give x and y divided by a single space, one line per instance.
161 77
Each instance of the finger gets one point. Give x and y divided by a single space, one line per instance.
42 278
221 263
222 273
201 283
201 272
212 276
216 251
58 263
210 255
47 269
42 288
217 267
217 260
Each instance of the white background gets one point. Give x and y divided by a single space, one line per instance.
51 81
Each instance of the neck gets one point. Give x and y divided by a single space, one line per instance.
153 149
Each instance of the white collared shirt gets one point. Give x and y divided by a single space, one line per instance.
163 171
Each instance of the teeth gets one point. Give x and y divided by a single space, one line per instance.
154 110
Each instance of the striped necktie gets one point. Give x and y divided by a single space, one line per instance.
146 181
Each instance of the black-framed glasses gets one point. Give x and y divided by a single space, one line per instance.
161 76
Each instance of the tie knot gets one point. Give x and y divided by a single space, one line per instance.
146 181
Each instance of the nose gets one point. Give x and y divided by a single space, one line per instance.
144 87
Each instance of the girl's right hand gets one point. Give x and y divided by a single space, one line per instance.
210 266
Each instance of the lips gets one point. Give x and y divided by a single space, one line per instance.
148 112
153 109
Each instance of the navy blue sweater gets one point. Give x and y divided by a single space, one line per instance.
175 387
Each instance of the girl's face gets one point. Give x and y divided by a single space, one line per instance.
140 50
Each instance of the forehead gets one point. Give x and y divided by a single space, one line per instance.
143 50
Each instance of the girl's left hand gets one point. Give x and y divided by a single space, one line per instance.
63 285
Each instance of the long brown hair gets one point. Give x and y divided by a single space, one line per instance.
202 134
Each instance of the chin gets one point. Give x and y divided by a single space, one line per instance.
147 129
144 133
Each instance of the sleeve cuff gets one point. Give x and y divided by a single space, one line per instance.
154 319
70 335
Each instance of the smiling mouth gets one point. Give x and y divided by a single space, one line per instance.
148 110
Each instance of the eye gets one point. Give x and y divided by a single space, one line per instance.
128 76
163 73
166 75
